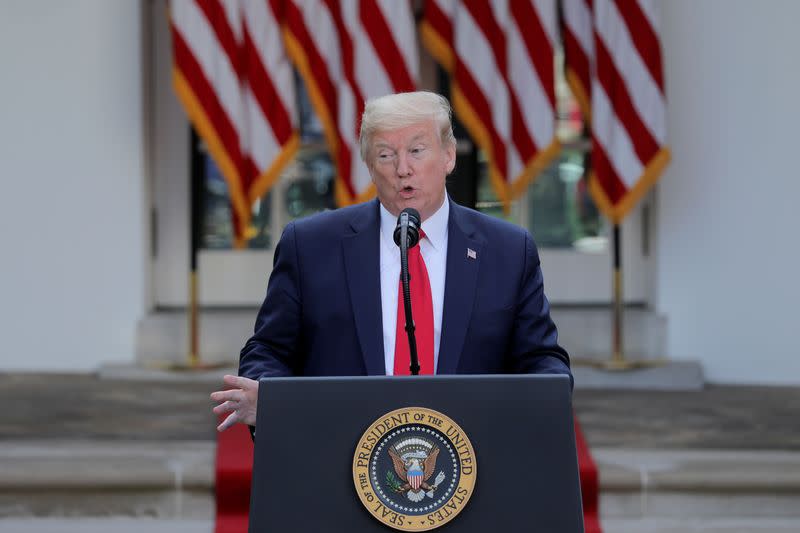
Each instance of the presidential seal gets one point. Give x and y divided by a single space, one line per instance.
414 469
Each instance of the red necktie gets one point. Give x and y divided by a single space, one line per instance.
422 311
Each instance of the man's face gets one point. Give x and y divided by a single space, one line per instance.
409 167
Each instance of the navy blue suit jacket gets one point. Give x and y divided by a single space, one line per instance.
322 312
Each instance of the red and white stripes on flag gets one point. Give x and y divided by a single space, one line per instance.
235 82
577 29
349 52
499 54
628 105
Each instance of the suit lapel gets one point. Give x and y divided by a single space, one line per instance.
362 265
463 260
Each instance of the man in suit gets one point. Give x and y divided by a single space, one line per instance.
333 305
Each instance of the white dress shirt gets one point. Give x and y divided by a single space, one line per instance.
434 251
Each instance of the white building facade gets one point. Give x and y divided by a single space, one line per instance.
95 195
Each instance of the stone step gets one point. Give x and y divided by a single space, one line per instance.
585 331
656 376
175 481
105 525
719 525
134 525
671 375
701 484
166 480
163 336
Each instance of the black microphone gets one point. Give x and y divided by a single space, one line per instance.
406 235
408 220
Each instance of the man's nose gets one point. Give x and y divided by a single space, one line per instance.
403 165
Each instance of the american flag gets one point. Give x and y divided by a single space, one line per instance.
628 105
235 82
348 52
500 58
578 40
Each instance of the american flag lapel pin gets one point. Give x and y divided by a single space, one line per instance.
472 254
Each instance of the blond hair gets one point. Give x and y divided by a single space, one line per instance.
399 110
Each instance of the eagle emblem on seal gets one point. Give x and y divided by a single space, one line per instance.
414 461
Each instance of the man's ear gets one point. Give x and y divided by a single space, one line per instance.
450 150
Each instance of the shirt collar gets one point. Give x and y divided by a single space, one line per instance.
435 227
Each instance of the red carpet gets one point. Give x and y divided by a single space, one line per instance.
235 459
589 484
233 473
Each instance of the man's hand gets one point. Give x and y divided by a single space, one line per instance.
241 401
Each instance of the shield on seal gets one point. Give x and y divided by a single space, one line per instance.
415 476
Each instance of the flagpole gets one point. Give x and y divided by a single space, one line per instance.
195 221
197 183
618 361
